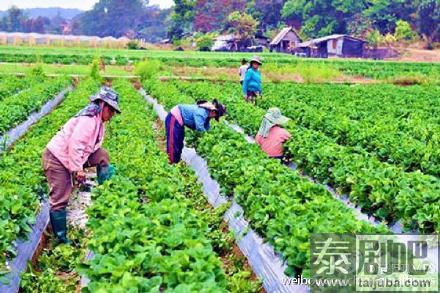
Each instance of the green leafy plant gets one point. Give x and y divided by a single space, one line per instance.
332 152
280 205
94 69
151 226
16 108
148 68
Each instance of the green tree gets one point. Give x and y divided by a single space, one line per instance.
428 20
267 12
13 20
384 14
374 38
323 17
404 32
244 26
113 17
182 18
205 42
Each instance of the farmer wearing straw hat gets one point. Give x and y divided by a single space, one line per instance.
271 136
196 117
76 146
252 81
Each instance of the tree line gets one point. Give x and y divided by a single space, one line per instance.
314 18
117 18
371 19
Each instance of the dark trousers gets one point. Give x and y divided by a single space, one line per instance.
175 136
251 96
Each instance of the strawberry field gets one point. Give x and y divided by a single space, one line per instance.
152 228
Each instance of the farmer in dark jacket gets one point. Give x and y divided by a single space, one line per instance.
252 84
196 117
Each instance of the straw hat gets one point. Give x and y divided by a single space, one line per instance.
256 59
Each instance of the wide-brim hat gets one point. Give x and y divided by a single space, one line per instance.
109 97
219 108
274 116
256 59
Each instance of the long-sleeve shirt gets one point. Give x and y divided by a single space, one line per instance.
242 71
192 116
252 81
77 140
272 145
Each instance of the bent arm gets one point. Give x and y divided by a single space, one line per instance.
79 147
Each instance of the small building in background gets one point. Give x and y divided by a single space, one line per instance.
225 43
261 40
286 41
332 46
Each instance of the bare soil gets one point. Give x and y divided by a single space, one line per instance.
418 55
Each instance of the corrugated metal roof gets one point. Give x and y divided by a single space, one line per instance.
282 34
327 38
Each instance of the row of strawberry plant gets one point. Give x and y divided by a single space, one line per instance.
151 227
399 126
281 205
378 188
21 176
16 108
12 85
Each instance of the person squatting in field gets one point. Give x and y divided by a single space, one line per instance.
196 117
76 146
252 84
271 136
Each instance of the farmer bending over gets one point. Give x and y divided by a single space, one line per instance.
76 146
196 117
252 87
271 136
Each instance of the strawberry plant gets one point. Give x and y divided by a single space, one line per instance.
283 207
16 108
12 85
378 188
151 227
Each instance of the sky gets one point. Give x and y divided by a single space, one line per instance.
81 4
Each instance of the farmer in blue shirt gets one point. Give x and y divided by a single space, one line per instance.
196 117
252 81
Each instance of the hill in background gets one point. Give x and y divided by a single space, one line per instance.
50 12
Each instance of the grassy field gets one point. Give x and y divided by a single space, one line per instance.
286 67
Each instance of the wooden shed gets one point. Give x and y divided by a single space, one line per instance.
332 46
286 41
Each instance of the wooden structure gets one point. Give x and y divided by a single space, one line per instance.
261 40
286 41
332 46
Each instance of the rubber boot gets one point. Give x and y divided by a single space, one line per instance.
58 220
104 173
